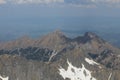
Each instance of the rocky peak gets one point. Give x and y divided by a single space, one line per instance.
58 32
55 34
56 40
94 37
90 35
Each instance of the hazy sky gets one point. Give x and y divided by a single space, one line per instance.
34 17
54 8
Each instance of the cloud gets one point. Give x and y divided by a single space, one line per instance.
107 1
83 2
35 1
76 3
2 1
93 3
88 2
80 3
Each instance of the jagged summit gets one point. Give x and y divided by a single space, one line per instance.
58 32
54 39
94 37
90 35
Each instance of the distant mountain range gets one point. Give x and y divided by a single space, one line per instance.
58 57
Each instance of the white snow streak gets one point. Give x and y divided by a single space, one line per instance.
74 73
54 53
4 78
91 62
110 76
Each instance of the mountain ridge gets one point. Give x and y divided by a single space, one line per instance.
44 56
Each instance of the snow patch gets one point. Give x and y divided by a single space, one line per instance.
54 53
4 78
91 62
110 76
74 73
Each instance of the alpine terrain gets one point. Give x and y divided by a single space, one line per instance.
58 57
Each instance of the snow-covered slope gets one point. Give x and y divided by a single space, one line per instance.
74 73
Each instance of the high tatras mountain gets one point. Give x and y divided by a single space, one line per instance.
58 57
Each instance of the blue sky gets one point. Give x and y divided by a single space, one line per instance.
58 8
